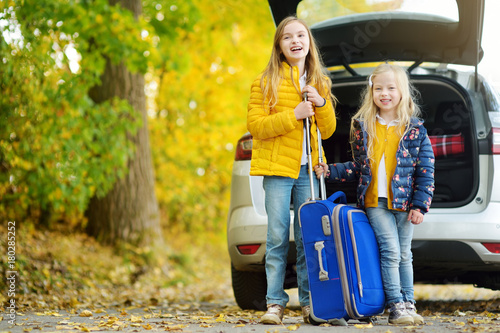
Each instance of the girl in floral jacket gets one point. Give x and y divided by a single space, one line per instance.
393 163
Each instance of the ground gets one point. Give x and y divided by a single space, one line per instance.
68 281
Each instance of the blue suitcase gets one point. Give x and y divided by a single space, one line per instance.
343 261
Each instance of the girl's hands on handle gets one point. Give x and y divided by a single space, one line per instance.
321 168
313 96
304 110
415 217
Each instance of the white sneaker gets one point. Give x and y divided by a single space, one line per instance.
398 314
274 314
306 311
412 311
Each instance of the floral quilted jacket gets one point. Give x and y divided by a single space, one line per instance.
413 181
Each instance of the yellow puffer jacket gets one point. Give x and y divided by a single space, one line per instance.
278 135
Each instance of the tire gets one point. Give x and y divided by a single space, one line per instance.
489 280
249 289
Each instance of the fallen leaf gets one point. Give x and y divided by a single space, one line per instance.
167 315
58 327
86 313
136 319
175 328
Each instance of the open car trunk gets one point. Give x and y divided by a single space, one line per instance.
449 123
350 38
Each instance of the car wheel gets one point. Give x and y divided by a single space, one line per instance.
249 289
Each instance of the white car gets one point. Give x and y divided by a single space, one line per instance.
459 240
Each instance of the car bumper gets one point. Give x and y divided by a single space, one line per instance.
246 226
470 230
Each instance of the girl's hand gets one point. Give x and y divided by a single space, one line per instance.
415 217
321 168
304 110
314 96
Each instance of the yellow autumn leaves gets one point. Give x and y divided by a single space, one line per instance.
153 320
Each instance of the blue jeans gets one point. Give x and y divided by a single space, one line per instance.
278 192
394 234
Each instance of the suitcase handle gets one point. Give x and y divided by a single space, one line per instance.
338 195
312 175
308 150
323 274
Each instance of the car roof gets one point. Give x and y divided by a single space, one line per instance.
395 35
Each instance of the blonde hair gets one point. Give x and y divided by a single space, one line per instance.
273 73
406 109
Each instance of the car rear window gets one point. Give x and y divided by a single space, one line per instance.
315 11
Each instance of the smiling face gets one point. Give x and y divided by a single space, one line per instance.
386 94
294 43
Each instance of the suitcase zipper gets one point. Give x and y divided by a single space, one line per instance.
340 258
355 251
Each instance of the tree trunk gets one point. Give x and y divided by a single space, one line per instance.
129 212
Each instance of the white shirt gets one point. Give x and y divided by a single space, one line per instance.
382 173
302 82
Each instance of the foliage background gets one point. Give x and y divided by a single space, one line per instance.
58 148
200 108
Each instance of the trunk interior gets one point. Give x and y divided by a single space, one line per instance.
449 123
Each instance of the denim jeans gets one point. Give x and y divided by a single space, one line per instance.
278 191
394 234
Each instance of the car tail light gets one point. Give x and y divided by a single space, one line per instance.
496 140
244 148
248 249
492 247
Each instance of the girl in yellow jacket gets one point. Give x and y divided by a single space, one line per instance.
276 114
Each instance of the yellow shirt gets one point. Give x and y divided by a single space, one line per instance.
385 146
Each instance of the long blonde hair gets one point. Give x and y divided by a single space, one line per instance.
406 109
273 73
